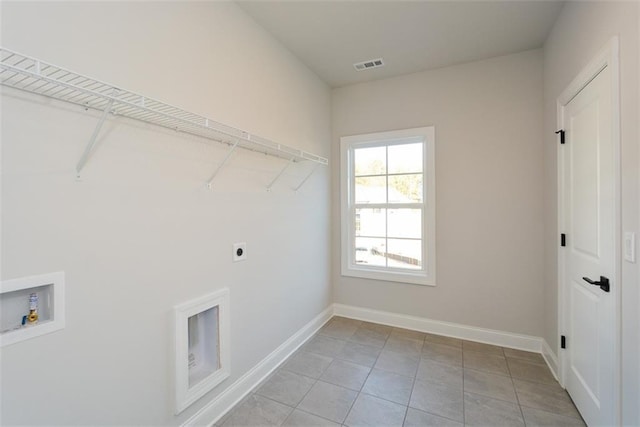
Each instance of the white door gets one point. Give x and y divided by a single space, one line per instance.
588 208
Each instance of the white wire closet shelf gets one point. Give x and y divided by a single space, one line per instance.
32 75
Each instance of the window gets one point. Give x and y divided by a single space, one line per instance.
388 206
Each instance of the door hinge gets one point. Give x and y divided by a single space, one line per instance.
563 239
563 341
561 132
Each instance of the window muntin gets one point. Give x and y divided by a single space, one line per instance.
381 178
385 209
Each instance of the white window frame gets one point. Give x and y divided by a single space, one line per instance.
425 276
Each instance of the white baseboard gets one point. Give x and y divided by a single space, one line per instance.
551 359
213 411
456 330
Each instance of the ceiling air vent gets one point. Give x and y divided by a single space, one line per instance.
371 63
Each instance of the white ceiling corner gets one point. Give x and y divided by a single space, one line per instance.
411 36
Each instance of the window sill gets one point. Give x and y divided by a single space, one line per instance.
400 277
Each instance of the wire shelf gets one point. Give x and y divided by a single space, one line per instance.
32 75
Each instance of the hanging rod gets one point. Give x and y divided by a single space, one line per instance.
32 75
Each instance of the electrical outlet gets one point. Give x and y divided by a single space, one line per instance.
239 252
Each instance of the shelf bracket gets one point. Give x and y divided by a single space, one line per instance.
89 148
306 177
280 174
224 161
32 75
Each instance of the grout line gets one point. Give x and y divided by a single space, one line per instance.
284 362
310 388
464 412
415 379
360 392
492 398
413 384
406 412
482 371
314 415
514 389
350 408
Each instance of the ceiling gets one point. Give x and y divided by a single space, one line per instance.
330 36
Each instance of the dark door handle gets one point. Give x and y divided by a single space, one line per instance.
603 283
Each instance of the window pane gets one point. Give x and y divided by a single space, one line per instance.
405 188
370 161
369 251
372 189
405 253
404 223
405 158
371 222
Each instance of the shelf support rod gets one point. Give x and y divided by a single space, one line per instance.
307 177
224 161
92 141
280 174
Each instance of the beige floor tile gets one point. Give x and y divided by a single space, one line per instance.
382 329
389 386
484 411
258 411
441 339
328 401
403 345
486 362
372 411
360 354
286 387
407 333
346 374
340 329
226 416
399 363
539 418
482 348
322 344
308 364
442 353
438 399
490 385
442 373
547 397
417 418
525 355
302 419
370 337
530 371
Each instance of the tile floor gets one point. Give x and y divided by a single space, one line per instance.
356 373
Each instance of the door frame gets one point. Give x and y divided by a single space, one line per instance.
607 57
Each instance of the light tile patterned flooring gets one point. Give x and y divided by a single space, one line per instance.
356 373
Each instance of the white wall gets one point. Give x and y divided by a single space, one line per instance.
489 173
141 233
582 29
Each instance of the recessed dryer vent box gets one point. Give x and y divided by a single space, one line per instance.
202 347
44 294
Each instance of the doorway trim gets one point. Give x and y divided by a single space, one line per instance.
608 57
